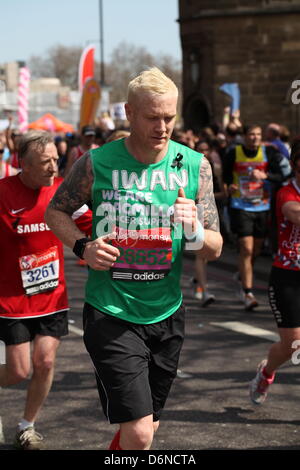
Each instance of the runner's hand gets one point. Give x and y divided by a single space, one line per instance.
232 188
100 254
185 212
259 175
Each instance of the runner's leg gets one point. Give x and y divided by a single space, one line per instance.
282 351
137 434
246 251
257 248
43 359
17 365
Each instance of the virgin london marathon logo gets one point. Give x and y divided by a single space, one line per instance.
28 262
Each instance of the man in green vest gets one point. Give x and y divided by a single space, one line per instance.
149 196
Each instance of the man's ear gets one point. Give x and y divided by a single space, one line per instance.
128 111
22 163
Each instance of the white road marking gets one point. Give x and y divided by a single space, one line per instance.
246 329
2 440
2 352
76 330
236 326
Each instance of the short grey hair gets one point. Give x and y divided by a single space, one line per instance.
33 140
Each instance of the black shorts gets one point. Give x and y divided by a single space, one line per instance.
284 297
135 365
16 331
246 223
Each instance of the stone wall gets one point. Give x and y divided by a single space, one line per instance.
257 46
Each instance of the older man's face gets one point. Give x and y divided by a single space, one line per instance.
40 166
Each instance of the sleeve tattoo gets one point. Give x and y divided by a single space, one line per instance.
76 189
207 210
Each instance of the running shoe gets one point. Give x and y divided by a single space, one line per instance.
199 293
28 439
207 299
259 386
250 301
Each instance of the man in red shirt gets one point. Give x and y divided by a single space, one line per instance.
284 281
33 297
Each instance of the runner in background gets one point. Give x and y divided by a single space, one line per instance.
251 172
284 293
202 292
33 297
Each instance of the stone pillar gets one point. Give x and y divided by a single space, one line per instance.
256 46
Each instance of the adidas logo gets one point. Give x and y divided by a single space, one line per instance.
143 276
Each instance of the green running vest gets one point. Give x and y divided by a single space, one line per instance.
136 201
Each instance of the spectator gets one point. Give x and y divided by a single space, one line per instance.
118 134
285 137
99 137
207 134
5 168
179 136
87 139
191 138
273 137
202 293
234 136
106 122
12 142
62 151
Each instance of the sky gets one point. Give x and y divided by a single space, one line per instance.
31 27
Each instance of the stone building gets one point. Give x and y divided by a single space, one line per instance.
254 43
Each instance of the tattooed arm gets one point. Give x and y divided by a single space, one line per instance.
75 191
208 213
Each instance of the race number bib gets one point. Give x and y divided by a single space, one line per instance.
251 190
145 255
40 271
291 257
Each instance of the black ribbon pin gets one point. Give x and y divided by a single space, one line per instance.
177 161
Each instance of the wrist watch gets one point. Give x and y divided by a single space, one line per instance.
79 246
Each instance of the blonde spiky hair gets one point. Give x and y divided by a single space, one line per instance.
151 81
